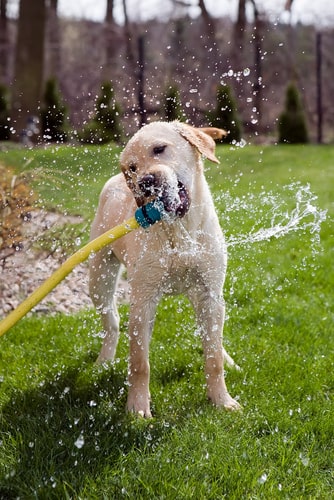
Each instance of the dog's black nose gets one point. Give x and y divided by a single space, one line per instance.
147 184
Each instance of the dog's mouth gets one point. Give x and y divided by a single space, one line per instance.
179 204
176 201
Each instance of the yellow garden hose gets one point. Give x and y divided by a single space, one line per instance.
144 217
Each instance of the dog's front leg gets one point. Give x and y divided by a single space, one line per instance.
140 329
210 313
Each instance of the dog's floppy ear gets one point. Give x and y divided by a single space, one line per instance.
202 139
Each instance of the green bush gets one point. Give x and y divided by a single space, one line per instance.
53 114
225 115
105 126
292 126
172 107
4 115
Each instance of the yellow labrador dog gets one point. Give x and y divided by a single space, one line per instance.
184 253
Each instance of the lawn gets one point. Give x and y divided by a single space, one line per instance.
64 431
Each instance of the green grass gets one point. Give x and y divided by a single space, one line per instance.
64 431
67 178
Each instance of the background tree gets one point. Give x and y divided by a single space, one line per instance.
177 49
292 123
29 64
258 55
53 39
172 106
239 29
209 38
113 42
4 114
53 114
105 126
4 41
225 115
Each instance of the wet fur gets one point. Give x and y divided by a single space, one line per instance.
186 255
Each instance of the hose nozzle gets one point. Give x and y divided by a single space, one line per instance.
148 214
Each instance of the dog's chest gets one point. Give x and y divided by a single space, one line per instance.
175 266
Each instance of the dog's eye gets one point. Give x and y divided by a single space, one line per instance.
157 150
132 167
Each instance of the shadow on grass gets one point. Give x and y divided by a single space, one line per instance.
67 431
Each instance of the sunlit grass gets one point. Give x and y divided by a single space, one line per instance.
64 431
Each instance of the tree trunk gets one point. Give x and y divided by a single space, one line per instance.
237 49
209 38
54 41
319 87
110 12
113 41
141 81
209 24
128 36
257 86
239 29
29 65
4 43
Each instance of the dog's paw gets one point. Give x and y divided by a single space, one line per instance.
232 405
226 401
140 413
139 405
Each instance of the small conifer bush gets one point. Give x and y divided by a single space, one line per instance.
172 106
292 126
105 125
53 114
225 115
4 115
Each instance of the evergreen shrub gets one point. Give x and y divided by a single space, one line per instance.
172 107
225 115
292 127
105 125
4 114
53 114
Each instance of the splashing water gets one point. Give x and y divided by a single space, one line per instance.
305 216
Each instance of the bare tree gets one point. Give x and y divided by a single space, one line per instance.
209 37
29 63
130 53
113 41
257 40
319 88
240 28
54 51
288 5
209 23
4 43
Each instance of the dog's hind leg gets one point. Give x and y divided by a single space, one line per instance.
103 277
210 311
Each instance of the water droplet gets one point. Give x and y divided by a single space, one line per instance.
79 443
263 478
304 460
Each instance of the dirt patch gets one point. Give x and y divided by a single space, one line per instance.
24 269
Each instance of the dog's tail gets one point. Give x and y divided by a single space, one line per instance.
230 361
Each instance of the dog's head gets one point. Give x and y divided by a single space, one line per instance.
161 160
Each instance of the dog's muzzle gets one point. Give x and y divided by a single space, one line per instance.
175 200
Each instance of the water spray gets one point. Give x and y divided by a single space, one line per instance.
144 217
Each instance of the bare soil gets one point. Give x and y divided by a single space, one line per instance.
23 271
